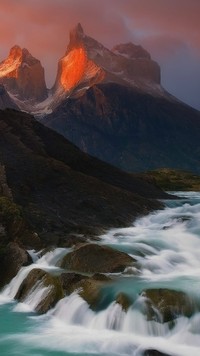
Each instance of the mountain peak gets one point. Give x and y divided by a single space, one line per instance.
77 33
22 74
15 52
87 62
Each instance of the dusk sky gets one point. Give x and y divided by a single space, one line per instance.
168 29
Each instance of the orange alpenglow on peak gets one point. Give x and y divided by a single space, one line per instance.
8 68
76 69
22 74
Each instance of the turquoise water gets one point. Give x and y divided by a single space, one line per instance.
166 246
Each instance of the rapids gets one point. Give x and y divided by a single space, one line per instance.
166 246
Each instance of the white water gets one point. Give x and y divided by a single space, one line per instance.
166 246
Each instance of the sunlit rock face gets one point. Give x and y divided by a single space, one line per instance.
88 62
76 70
23 75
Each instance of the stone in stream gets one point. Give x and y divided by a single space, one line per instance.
89 288
154 353
12 258
169 303
123 300
38 277
93 258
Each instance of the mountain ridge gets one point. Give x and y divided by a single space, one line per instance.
62 190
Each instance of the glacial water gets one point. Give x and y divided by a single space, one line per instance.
166 246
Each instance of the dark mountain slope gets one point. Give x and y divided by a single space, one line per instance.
131 129
5 100
53 182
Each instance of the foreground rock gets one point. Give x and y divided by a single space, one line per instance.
92 258
89 288
123 300
12 258
38 279
169 303
154 353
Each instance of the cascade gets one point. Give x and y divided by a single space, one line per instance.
166 245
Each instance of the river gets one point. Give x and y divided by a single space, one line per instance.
166 245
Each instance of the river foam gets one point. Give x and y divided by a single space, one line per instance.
166 247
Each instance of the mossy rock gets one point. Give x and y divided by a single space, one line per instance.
12 258
89 288
93 258
169 303
174 179
16 227
39 277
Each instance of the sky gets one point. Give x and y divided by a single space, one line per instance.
168 29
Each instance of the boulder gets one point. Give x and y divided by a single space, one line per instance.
92 258
12 258
169 303
39 277
89 288
154 353
124 301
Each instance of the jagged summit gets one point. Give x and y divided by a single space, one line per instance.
88 62
23 75
76 34
77 70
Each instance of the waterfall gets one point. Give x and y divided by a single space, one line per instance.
166 247
47 262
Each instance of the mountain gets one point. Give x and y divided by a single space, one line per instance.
23 75
115 108
87 62
63 190
110 103
5 100
130 129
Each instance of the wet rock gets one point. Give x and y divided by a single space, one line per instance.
169 303
89 288
72 240
154 353
124 301
39 278
12 258
91 258
70 280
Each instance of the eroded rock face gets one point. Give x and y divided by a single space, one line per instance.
92 258
23 75
76 69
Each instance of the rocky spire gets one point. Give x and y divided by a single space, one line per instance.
76 34
22 74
